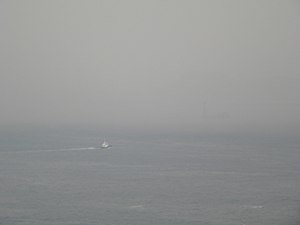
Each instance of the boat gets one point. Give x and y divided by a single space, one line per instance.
105 145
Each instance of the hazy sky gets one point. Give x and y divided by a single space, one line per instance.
160 64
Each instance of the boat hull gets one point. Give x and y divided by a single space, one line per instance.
106 147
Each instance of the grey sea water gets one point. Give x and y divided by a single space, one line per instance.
60 176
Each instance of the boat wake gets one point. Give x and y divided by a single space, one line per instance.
53 150
253 206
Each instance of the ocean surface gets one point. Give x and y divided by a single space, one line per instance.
60 176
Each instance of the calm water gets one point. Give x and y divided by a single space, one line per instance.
58 176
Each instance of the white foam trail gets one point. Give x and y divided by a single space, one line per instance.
254 206
53 150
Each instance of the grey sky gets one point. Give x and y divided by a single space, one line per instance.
152 63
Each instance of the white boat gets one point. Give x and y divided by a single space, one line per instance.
105 145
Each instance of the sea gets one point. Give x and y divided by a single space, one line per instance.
59 175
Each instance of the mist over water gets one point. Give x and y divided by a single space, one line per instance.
152 65
200 100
